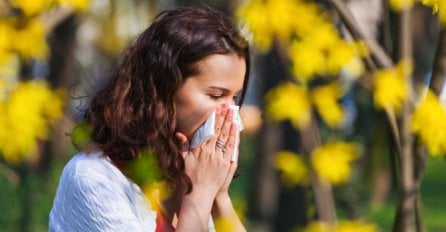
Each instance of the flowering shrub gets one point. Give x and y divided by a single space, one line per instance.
323 65
28 109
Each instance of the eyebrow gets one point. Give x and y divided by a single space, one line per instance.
220 88
224 89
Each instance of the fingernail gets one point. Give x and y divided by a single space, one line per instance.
230 113
233 128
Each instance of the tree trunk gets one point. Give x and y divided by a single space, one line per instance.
404 219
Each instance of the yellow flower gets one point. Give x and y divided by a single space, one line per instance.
224 224
307 60
9 72
241 208
255 15
322 52
227 224
32 7
438 6
270 19
292 167
356 226
326 99
146 172
324 37
6 32
78 5
282 15
310 18
354 68
339 55
156 192
317 48
391 89
332 161
289 101
309 55
30 40
26 117
317 226
399 5
429 124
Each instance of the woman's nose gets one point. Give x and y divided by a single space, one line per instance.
228 102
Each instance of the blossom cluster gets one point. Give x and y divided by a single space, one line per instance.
332 162
344 226
391 89
315 47
316 50
438 6
27 108
24 33
293 102
26 115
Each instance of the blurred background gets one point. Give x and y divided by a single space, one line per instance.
345 125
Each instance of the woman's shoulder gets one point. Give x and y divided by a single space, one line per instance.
89 175
93 166
93 193
92 173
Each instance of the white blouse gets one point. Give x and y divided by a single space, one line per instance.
94 195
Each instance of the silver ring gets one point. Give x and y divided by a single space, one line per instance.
221 145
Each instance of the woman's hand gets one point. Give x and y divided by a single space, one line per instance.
222 208
223 126
209 165
210 170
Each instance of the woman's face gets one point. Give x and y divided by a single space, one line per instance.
219 80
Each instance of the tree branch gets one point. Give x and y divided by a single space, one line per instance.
439 69
10 174
55 17
322 189
378 54
408 191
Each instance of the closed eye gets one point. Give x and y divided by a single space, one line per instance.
215 96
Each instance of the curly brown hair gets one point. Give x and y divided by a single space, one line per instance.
135 110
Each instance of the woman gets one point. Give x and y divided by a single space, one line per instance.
188 63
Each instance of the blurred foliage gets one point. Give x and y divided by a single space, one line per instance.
27 108
25 118
323 66
292 167
343 226
429 123
391 89
333 160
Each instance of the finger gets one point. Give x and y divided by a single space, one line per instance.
226 128
220 117
220 148
184 143
231 142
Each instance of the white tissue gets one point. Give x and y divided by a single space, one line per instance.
206 131
237 118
